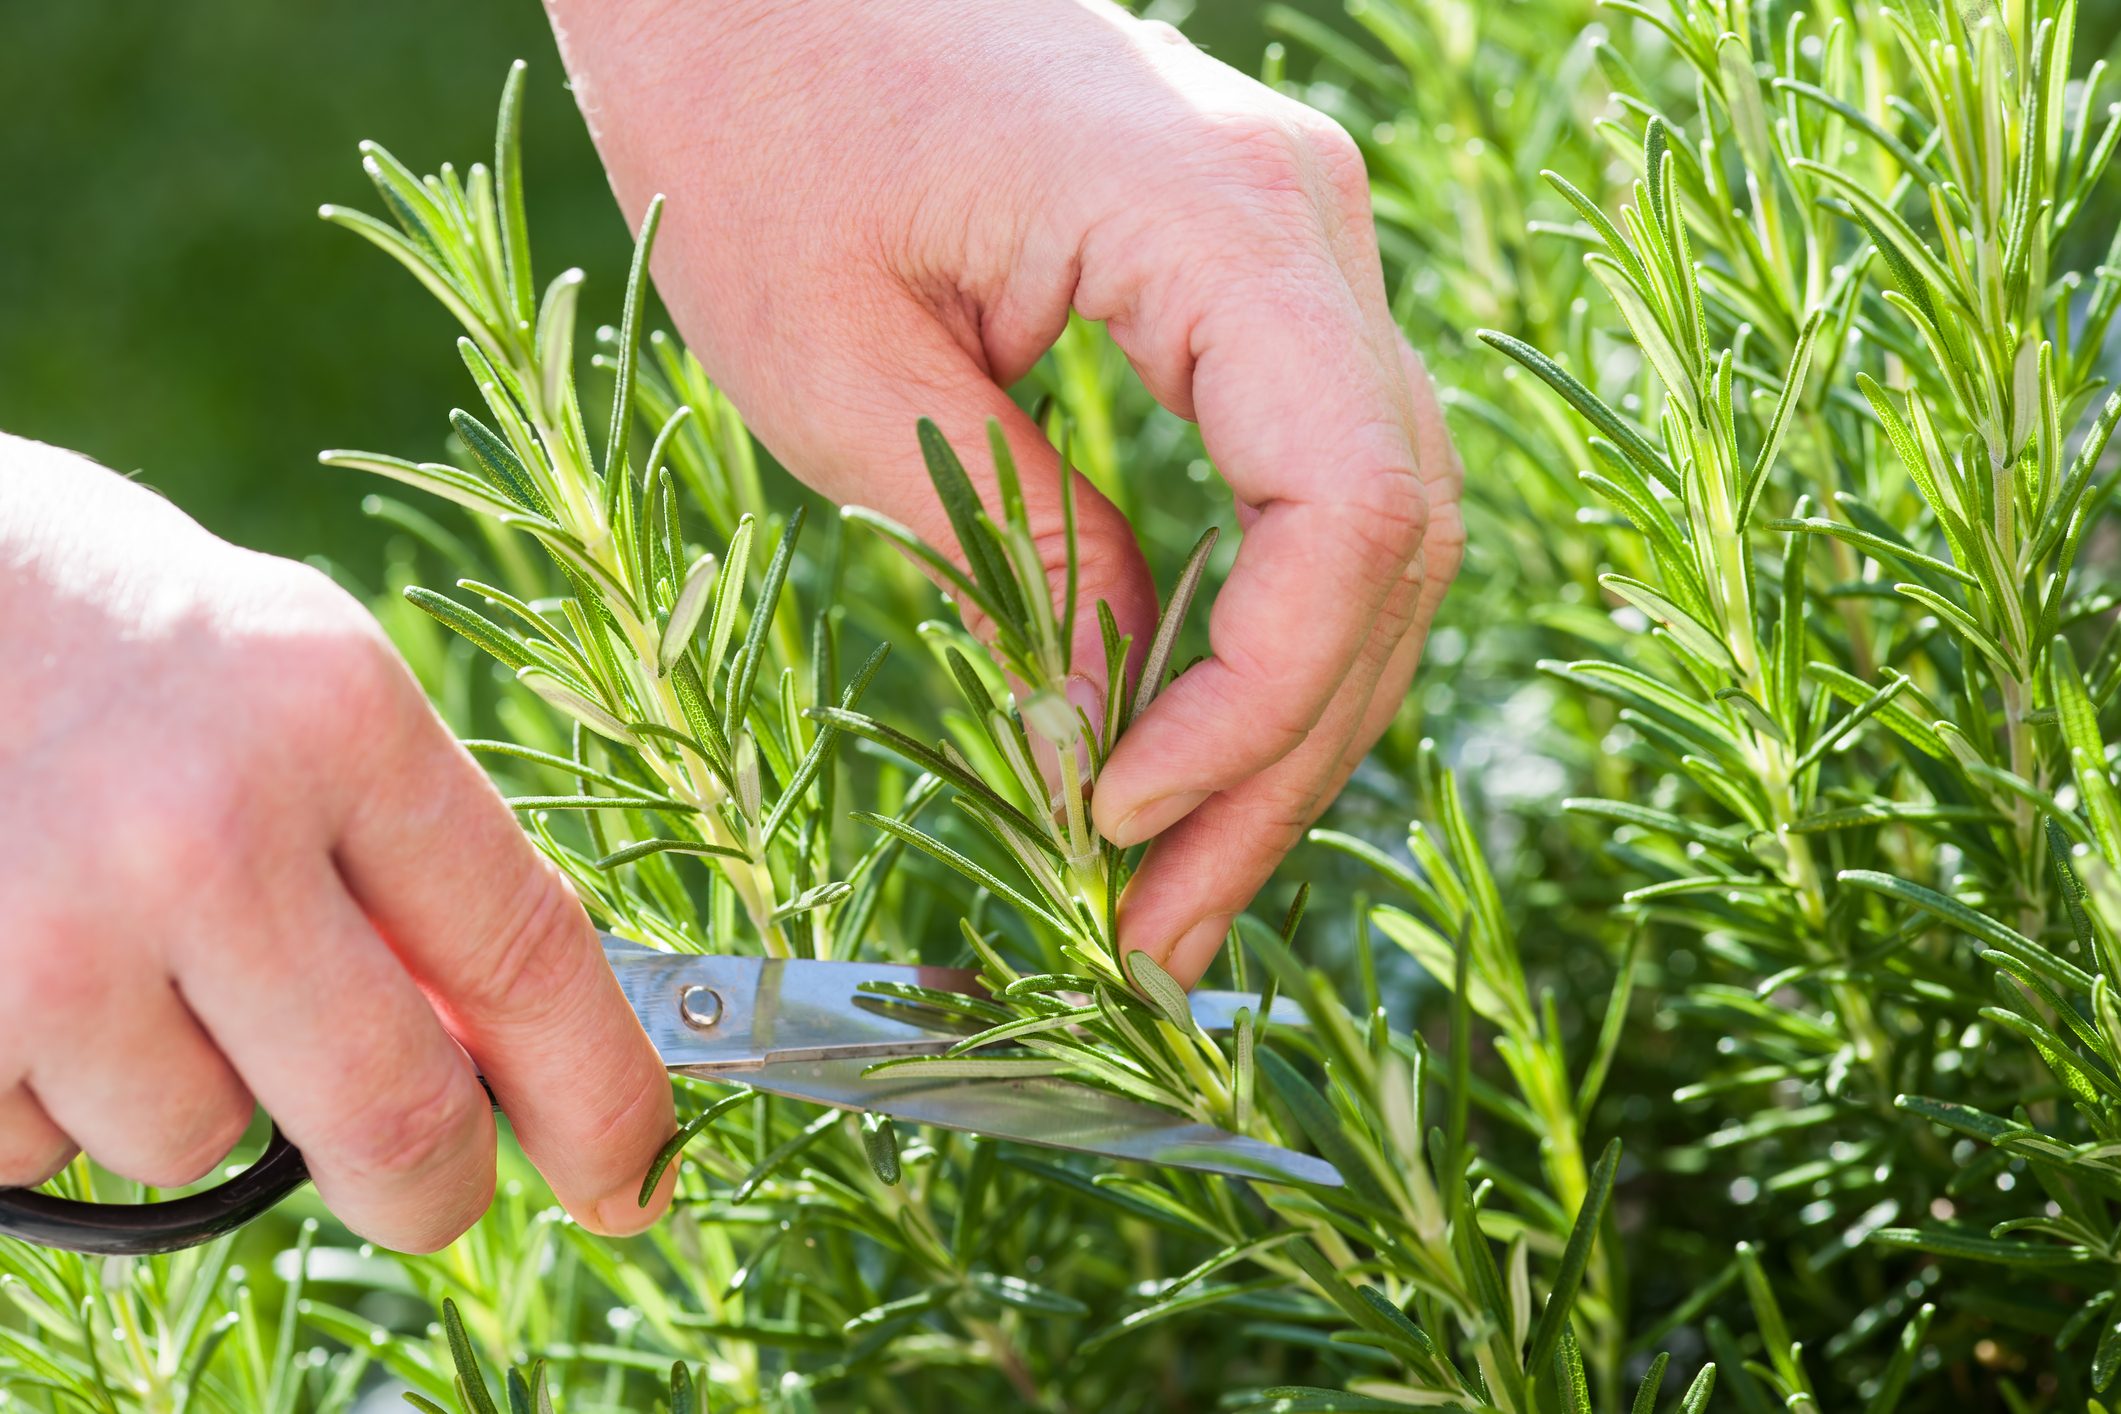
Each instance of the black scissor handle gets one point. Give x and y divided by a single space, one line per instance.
138 1229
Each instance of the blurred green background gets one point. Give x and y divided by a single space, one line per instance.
171 305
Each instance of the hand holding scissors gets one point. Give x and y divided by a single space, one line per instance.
808 1030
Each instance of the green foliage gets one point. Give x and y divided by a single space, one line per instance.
1751 996
526 1392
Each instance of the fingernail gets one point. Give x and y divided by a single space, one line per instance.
1197 947
1153 817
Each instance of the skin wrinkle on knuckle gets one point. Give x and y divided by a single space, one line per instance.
1257 151
534 970
1443 548
650 1096
1294 173
1238 209
1274 817
405 1133
1344 178
1383 519
1164 32
1230 850
1392 626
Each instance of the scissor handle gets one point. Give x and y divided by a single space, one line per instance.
170 1225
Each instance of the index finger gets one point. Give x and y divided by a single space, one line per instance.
508 959
1307 423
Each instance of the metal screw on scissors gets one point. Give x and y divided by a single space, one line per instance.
795 1027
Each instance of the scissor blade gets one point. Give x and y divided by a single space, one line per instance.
1217 1011
1041 1110
760 1010
710 1012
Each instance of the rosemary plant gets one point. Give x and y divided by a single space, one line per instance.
1791 579
1840 371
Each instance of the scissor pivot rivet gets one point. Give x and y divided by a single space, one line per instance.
701 1007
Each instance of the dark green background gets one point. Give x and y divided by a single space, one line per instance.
169 302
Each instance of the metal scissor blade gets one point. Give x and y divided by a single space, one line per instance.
706 1012
1041 1110
807 1029
1217 1011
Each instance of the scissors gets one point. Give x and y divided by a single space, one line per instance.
807 1029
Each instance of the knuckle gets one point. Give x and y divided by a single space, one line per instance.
1443 546
1299 158
534 963
1051 544
1337 155
1259 151
1283 816
1384 516
331 667
410 1132
642 1110
1242 845
1394 620
1284 722
182 828
357 678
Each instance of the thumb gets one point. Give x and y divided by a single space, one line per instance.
866 451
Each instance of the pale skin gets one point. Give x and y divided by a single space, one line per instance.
244 862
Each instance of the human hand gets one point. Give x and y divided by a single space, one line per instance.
241 857
884 209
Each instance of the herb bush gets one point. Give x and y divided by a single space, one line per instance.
1748 1036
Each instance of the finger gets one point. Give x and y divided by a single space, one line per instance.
32 1148
901 365
1199 874
305 999
151 1097
1306 421
504 952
